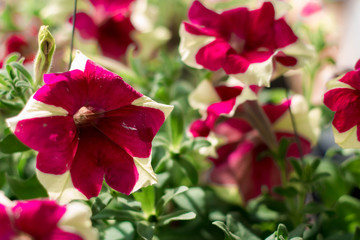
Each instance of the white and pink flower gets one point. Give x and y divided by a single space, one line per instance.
343 98
237 162
221 100
86 124
45 220
246 44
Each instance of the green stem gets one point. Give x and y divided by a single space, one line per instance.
72 34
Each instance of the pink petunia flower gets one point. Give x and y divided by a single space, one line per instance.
111 6
246 44
222 100
343 98
44 220
17 43
237 162
109 24
86 124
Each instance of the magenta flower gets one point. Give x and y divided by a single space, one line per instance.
86 124
237 162
45 220
246 44
221 100
343 98
109 24
111 6
17 43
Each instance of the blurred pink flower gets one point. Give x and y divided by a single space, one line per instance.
246 44
18 43
229 99
87 123
238 161
343 98
109 24
45 220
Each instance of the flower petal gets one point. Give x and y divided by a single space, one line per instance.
102 82
37 218
35 109
85 25
60 89
6 229
189 46
200 15
77 219
47 133
132 128
59 187
213 55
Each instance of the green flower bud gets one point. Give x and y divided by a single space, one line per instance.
46 43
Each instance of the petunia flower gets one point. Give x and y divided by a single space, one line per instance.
44 220
247 44
221 100
239 163
17 43
109 24
343 97
86 124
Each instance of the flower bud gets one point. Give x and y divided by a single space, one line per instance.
46 43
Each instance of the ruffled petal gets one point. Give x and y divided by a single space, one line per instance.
213 55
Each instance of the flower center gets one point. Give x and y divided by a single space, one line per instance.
23 236
237 43
86 116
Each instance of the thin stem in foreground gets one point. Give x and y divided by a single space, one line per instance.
72 33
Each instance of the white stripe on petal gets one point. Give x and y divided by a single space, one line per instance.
59 187
145 101
307 123
146 173
5 201
203 96
189 46
301 51
79 61
347 139
77 220
35 109
257 74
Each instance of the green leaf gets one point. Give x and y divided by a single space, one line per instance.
176 216
298 231
289 192
282 231
147 199
145 230
101 202
12 58
228 234
11 105
11 144
235 230
199 142
356 234
26 189
23 71
296 165
119 215
170 194
177 125
190 170
193 200
122 230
